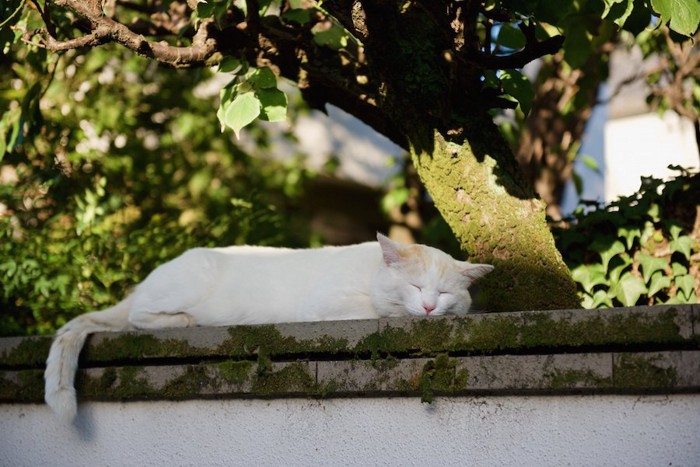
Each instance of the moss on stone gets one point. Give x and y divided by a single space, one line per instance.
600 328
291 378
245 341
22 386
572 379
29 352
236 372
636 370
129 346
438 375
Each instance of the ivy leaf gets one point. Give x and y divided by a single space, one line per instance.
615 273
242 111
598 300
629 234
678 269
650 265
628 289
273 103
589 276
675 231
682 245
607 250
519 87
685 284
658 282
683 16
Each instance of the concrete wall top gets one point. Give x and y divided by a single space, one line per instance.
623 350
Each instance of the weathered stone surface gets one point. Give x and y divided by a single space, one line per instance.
626 350
538 372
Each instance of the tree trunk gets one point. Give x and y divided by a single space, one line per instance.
479 190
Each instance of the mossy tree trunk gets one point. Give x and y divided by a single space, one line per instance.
497 219
434 98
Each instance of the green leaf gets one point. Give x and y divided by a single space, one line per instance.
615 273
675 231
678 269
682 245
297 15
577 45
225 98
650 264
658 282
589 275
590 162
629 234
263 78
274 105
518 86
685 284
511 37
683 16
232 64
335 37
628 289
618 11
243 110
598 300
607 250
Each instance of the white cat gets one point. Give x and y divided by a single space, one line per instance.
256 285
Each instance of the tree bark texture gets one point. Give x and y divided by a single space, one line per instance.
497 220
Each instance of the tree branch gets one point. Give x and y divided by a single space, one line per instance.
533 50
104 29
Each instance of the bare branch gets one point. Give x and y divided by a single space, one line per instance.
105 29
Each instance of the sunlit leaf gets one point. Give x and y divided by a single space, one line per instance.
263 78
589 275
683 16
682 244
274 105
243 110
628 290
650 264
659 281
686 284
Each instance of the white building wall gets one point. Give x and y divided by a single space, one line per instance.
645 145
500 431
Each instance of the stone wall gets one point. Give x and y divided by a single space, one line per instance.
571 362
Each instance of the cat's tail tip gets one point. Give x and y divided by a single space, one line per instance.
63 403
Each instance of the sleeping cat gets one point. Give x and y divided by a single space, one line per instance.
256 285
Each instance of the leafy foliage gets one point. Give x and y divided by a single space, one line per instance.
642 249
118 167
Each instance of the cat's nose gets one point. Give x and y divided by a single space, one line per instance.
428 308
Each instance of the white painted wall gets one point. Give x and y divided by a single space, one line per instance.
645 145
500 431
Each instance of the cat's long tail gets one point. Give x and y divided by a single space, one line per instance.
65 350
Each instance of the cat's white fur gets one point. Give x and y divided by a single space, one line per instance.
256 285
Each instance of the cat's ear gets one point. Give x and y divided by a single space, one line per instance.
474 271
391 250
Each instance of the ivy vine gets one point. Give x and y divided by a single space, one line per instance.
643 249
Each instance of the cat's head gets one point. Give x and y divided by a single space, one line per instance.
422 281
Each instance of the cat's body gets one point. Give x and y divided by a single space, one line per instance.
257 285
